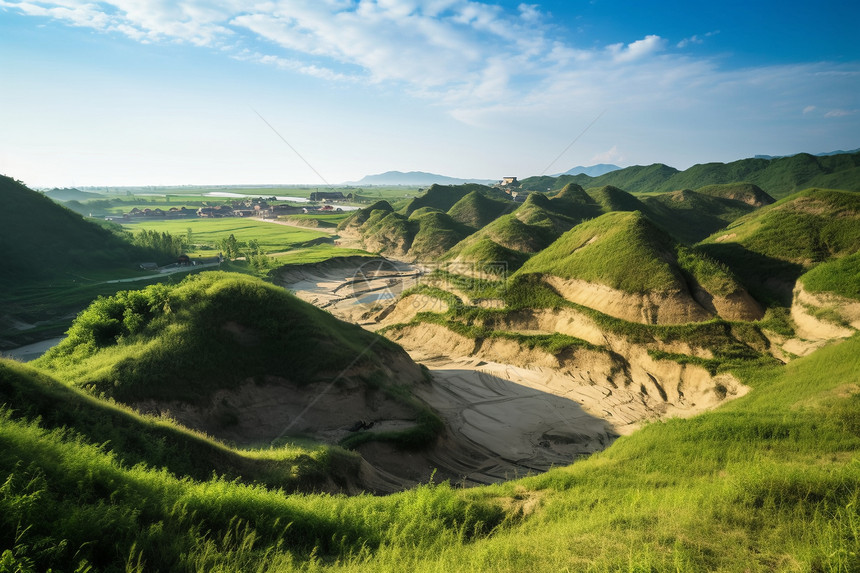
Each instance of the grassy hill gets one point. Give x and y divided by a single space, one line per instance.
477 209
691 216
770 248
611 198
72 195
212 331
443 197
41 239
512 238
426 231
653 279
622 250
745 192
29 395
779 177
766 482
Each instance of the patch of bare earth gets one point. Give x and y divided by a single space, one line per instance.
667 307
819 318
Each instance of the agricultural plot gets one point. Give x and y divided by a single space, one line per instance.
205 234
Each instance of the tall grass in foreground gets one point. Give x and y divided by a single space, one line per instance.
768 482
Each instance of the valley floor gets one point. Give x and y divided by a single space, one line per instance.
503 420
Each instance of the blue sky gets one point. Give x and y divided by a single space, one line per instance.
134 92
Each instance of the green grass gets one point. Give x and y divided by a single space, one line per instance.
316 254
839 276
314 220
626 252
767 482
134 439
778 177
206 233
477 210
771 248
173 343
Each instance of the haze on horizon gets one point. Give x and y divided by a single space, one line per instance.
127 92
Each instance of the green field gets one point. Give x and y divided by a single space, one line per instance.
272 238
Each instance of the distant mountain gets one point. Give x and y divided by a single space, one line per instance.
828 154
420 178
72 194
592 171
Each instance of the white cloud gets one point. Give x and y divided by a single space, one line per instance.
611 155
482 64
637 50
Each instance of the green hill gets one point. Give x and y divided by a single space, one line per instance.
653 278
691 216
443 197
611 198
477 209
840 276
512 238
40 239
771 247
72 195
180 342
132 438
778 177
437 232
745 192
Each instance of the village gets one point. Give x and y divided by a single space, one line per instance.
264 208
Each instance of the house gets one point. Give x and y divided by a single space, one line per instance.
509 182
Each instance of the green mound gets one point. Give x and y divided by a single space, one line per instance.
626 251
770 248
512 238
423 211
691 216
443 197
361 216
612 198
744 192
477 210
437 232
546 183
425 232
639 178
212 331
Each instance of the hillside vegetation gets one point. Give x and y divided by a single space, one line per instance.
235 357
766 482
62 242
770 248
778 177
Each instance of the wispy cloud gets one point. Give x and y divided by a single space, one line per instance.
477 60
696 39
841 112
